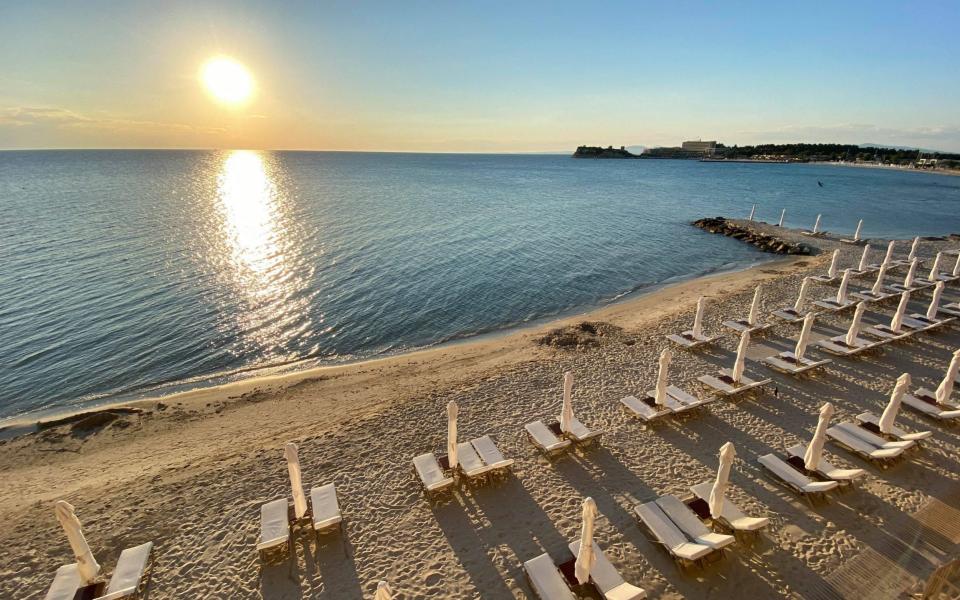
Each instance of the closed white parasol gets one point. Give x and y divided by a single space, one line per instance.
893 407
452 412
296 482
87 565
811 458
727 454
566 411
586 559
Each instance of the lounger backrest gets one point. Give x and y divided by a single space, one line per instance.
546 579
681 514
729 511
131 565
660 525
578 429
604 574
848 439
488 451
428 469
863 434
784 471
920 405
273 521
323 502
65 583
542 434
468 458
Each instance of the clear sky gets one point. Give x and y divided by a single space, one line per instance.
485 76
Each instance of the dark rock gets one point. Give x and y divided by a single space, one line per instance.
767 243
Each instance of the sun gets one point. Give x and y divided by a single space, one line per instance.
227 80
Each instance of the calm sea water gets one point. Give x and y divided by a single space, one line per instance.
127 273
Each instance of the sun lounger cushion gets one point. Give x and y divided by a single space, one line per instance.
690 524
825 468
428 469
791 477
470 462
606 577
668 534
274 526
641 409
896 431
685 397
546 580
730 512
544 438
579 432
131 567
65 584
929 409
861 447
324 506
489 452
872 438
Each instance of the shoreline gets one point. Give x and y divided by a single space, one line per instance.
291 374
950 172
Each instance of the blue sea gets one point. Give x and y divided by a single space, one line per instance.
135 273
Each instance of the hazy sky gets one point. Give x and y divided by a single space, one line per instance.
480 76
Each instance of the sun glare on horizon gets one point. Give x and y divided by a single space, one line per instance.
227 80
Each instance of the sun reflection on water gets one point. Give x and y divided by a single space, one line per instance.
248 198
261 253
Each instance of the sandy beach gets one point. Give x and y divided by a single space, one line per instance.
190 471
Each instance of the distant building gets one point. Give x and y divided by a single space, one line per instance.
699 146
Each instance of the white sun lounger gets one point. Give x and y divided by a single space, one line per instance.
786 362
838 345
65 584
730 514
931 408
858 445
825 468
688 340
899 288
727 389
128 575
274 525
639 408
690 524
869 418
469 462
871 438
920 322
607 579
679 400
886 334
832 305
795 480
546 580
790 315
490 454
667 533
324 507
580 434
741 325
544 439
430 473
868 296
